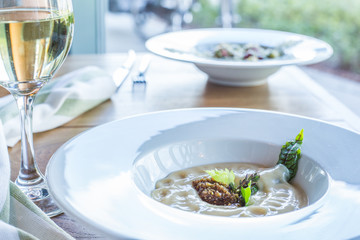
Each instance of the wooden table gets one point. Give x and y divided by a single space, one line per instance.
174 85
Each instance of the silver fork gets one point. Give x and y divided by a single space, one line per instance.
144 65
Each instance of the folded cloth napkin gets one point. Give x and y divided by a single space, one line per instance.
59 101
20 218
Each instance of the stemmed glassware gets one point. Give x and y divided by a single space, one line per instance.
35 38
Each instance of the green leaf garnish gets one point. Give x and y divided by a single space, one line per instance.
291 153
246 193
222 176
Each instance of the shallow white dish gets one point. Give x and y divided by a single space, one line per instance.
184 46
97 177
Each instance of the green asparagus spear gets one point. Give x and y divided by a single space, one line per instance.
247 187
291 153
253 178
246 194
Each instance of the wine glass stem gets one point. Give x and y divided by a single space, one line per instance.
30 180
29 173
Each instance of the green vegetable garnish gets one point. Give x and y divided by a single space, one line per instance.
246 193
291 153
222 176
289 157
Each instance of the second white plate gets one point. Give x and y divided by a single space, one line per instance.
188 45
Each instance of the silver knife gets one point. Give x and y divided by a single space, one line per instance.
123 71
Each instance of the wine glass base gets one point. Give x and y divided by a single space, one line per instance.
48 206
39 195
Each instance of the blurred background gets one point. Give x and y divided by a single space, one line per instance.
111 26
117 25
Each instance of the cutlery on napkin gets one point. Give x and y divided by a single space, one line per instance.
20 218
64 98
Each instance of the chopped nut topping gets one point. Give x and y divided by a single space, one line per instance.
215 193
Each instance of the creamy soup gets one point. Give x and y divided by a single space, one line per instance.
275 194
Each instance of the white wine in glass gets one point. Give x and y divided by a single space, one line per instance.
35 38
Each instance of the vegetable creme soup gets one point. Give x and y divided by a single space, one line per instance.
275 194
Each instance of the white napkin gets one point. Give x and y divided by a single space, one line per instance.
59 101
19 217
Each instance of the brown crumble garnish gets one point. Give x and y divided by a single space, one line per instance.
214 192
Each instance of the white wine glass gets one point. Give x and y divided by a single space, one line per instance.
35 38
